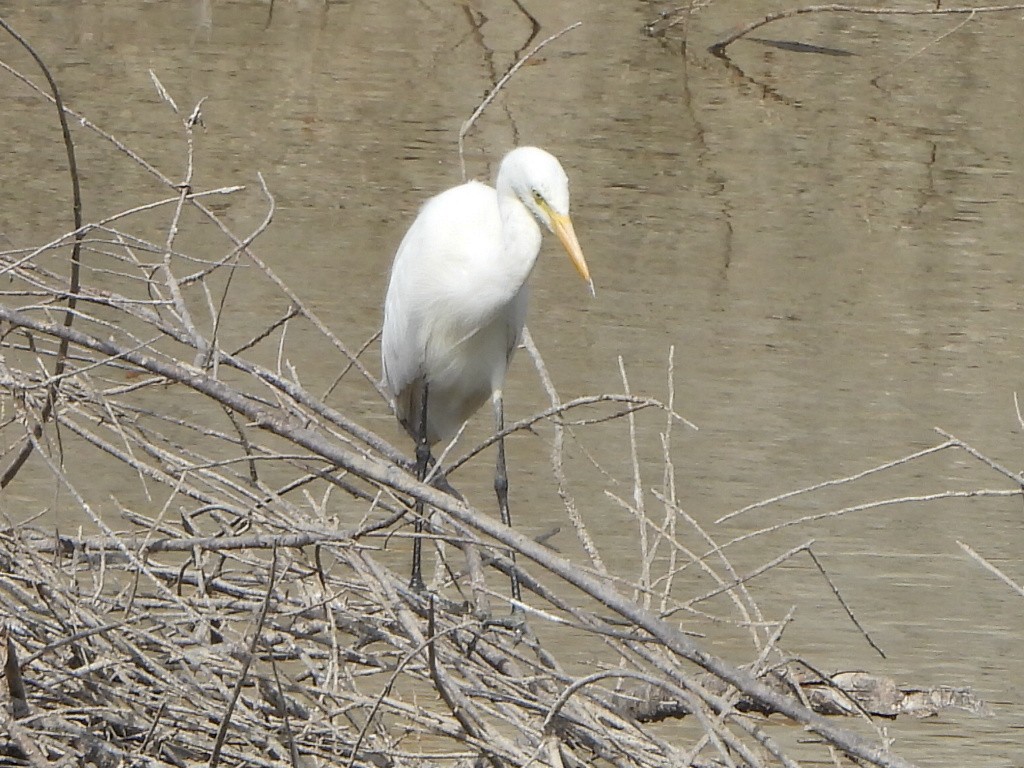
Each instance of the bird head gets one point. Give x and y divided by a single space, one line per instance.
537 179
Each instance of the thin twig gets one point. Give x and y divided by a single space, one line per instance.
987 565
466 126
76 258
842 602
254 641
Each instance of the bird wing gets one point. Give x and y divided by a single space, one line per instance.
434 298
400 344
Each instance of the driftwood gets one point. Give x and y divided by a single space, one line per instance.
234 601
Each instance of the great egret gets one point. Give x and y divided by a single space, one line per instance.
456 304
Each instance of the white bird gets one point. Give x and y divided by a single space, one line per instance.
456 303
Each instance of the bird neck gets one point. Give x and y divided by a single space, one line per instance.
520 236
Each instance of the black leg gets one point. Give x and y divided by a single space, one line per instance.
501 486
422 467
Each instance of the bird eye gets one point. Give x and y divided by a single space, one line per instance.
537 196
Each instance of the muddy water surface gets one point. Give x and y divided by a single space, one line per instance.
830 244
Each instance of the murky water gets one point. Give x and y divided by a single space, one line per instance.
830 244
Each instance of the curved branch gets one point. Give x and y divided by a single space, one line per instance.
76 260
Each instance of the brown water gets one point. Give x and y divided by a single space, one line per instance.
830 243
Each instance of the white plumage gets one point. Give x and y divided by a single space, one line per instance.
456 303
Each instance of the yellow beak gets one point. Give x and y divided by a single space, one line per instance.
562 226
